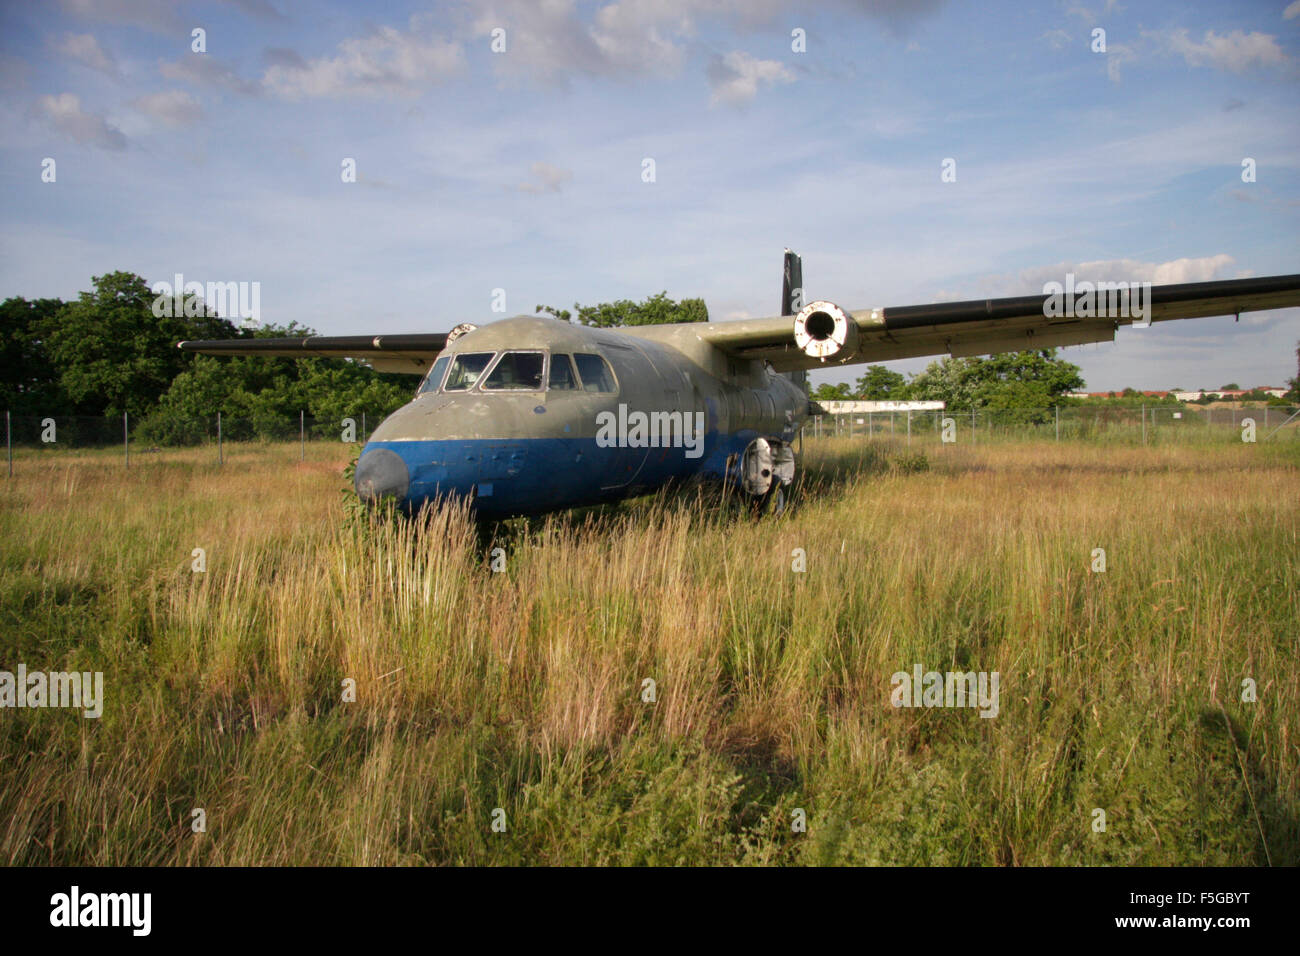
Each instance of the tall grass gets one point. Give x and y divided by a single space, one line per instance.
523 690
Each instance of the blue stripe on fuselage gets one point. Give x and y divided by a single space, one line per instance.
509 476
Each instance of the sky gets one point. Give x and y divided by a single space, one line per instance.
509 154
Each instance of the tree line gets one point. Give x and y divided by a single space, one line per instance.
106 354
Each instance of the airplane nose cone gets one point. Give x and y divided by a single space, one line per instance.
381 474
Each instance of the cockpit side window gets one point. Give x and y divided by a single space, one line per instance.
434 378
562 377
516 371
596 376
465 370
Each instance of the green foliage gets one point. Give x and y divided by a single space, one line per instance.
1029 382
1023 385
29 381
107 353
881 384
262 397
658 309
832 392
113 354
1294 394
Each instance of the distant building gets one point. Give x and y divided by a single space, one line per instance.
858 407
1119 394
1227 395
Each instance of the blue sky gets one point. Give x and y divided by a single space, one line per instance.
522 170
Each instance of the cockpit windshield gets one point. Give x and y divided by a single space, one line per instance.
520 371
434 378
465 370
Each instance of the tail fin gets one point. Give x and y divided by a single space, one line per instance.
792 284
792 302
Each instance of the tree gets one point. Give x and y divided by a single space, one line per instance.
1293 395
881 384
113 354
29 381
261 397
1031 381
658 309
1230 387
832 392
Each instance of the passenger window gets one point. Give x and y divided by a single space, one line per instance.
465 370
517 371
596 376
562 377
434 378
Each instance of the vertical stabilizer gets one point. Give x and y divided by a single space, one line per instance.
792 299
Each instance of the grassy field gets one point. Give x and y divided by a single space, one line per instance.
523 690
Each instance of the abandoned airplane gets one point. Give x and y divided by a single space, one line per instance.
528 415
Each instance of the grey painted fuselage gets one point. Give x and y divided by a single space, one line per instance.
527 450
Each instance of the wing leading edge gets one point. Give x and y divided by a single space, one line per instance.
411 353
985 326
975 327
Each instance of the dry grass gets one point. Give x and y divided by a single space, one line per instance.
523 690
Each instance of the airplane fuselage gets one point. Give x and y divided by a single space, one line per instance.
529 415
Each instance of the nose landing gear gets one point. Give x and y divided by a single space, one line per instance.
766 472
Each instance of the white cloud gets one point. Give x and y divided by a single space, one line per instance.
207 70
1236 51
385 61
1031 281
1117 54
551 40
65 114
1059 38
173 107
736 77
549 179
157 15
548 41
85 49
1292 11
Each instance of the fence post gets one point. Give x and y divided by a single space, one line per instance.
909 426
126 437
221 458
363 430
302 433
1058 422
1144 424
973 436
9 444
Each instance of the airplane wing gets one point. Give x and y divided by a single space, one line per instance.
411 354
977 327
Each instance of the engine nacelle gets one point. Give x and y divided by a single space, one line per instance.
823 330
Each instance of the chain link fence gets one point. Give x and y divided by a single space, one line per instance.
1135 424
30 435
